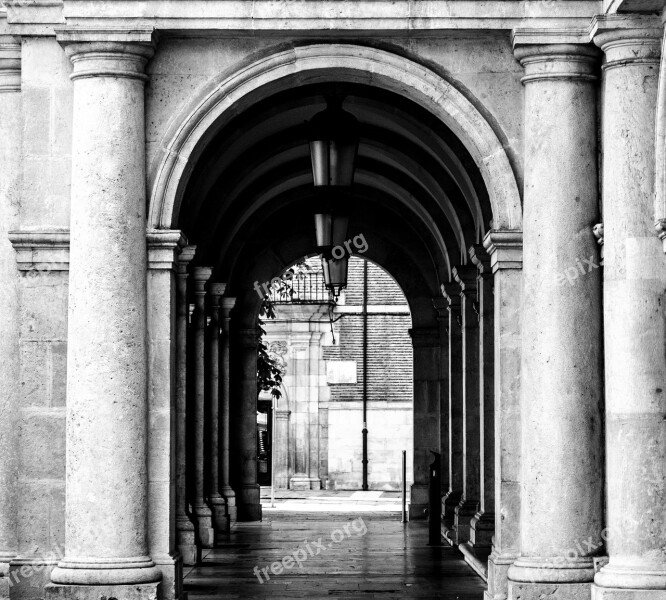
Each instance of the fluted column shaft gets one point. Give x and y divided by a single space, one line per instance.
561 373
106 478
200 508
226 491
469 503
635 321
440 305
215 499
248 499
185 535
10 167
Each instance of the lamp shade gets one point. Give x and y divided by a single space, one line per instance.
333 136
330 229
335 273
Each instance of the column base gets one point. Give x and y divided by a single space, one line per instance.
482 530
204 526
464 513
172 576
498 574
552 591
303 482
146 591
449 504
602 593
249 503
186 540
477 558
220 516
418 502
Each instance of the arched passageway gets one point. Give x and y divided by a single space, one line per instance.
431 181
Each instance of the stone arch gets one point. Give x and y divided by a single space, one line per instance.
223 97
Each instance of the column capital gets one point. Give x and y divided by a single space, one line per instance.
465 276
555 54
425 337
451 292
627 39
505 249
164 246
216 291
185 257
227 304
201 275
108 52
480 258
10 64
441 306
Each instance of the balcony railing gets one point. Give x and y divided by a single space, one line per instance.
305 288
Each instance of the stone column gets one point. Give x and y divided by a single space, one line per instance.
441 305
469 503
185 532
634 316
200 508
483 523
107 512
506 259
425 342
451 292
248 495
225 398
10 167
215 499
561 373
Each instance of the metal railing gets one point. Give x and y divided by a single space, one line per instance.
305 288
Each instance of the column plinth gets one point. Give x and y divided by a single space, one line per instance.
635 322
202 512
561 372
185 530
106 479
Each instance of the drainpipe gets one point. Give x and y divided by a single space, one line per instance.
365 375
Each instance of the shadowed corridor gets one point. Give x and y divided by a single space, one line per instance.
390 560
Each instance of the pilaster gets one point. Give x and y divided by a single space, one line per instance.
10 166
505 249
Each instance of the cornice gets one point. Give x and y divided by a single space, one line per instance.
10 64
41 250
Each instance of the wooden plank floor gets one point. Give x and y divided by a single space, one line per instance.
389 560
